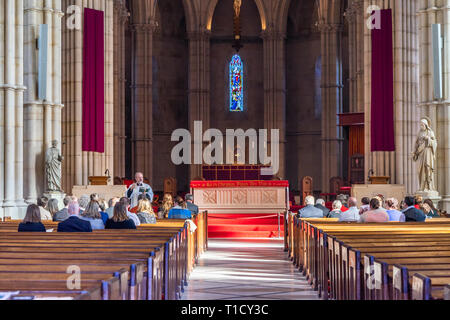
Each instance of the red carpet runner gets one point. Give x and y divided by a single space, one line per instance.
222 226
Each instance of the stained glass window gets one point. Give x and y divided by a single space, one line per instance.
236 84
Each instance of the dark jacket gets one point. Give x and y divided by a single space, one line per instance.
31 227
192 207
414 215
325 210
74 224
127 224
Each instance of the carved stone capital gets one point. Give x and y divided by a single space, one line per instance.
330 27
272 34
203 35
151 27
121 11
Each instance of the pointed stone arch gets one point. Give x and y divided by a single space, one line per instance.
212 7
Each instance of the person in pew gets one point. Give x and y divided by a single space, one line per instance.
145 212
190 204
102 206
343 199
310 211
52 207
412 214
111 204
45 214
429 209
320 204
376 214
83 202
365 205
167 204
392 211
352 214
179 211
93 216
120 219
32 221
126 202
135 209
74 223
418 202
63 214
336 212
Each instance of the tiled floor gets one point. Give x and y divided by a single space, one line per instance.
247 270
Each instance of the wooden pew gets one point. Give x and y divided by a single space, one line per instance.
161 263
322 256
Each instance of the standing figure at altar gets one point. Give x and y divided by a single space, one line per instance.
137 188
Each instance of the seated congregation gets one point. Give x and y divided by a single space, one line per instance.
90 213
381 250
372 210
120 255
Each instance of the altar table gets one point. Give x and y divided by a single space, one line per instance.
241 197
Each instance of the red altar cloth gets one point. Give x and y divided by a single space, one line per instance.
236 184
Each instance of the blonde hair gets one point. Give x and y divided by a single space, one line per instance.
145 206
167 203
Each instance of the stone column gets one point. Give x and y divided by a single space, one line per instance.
275 89
199 86
79 165
429 13
398 165
11 108
42 118
142 98
3 88
121 16
332 139
355 18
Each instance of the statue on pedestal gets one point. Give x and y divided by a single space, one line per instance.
53 161
425 156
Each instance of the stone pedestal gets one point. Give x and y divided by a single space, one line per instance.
432 195
56 195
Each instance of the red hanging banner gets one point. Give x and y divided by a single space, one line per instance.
382 113
93 82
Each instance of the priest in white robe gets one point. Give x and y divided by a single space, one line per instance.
137 188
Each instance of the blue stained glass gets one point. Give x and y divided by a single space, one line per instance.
236 84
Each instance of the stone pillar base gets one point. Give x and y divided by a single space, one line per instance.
432 195
56 195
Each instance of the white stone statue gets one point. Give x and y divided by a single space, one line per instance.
53 161
425 155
